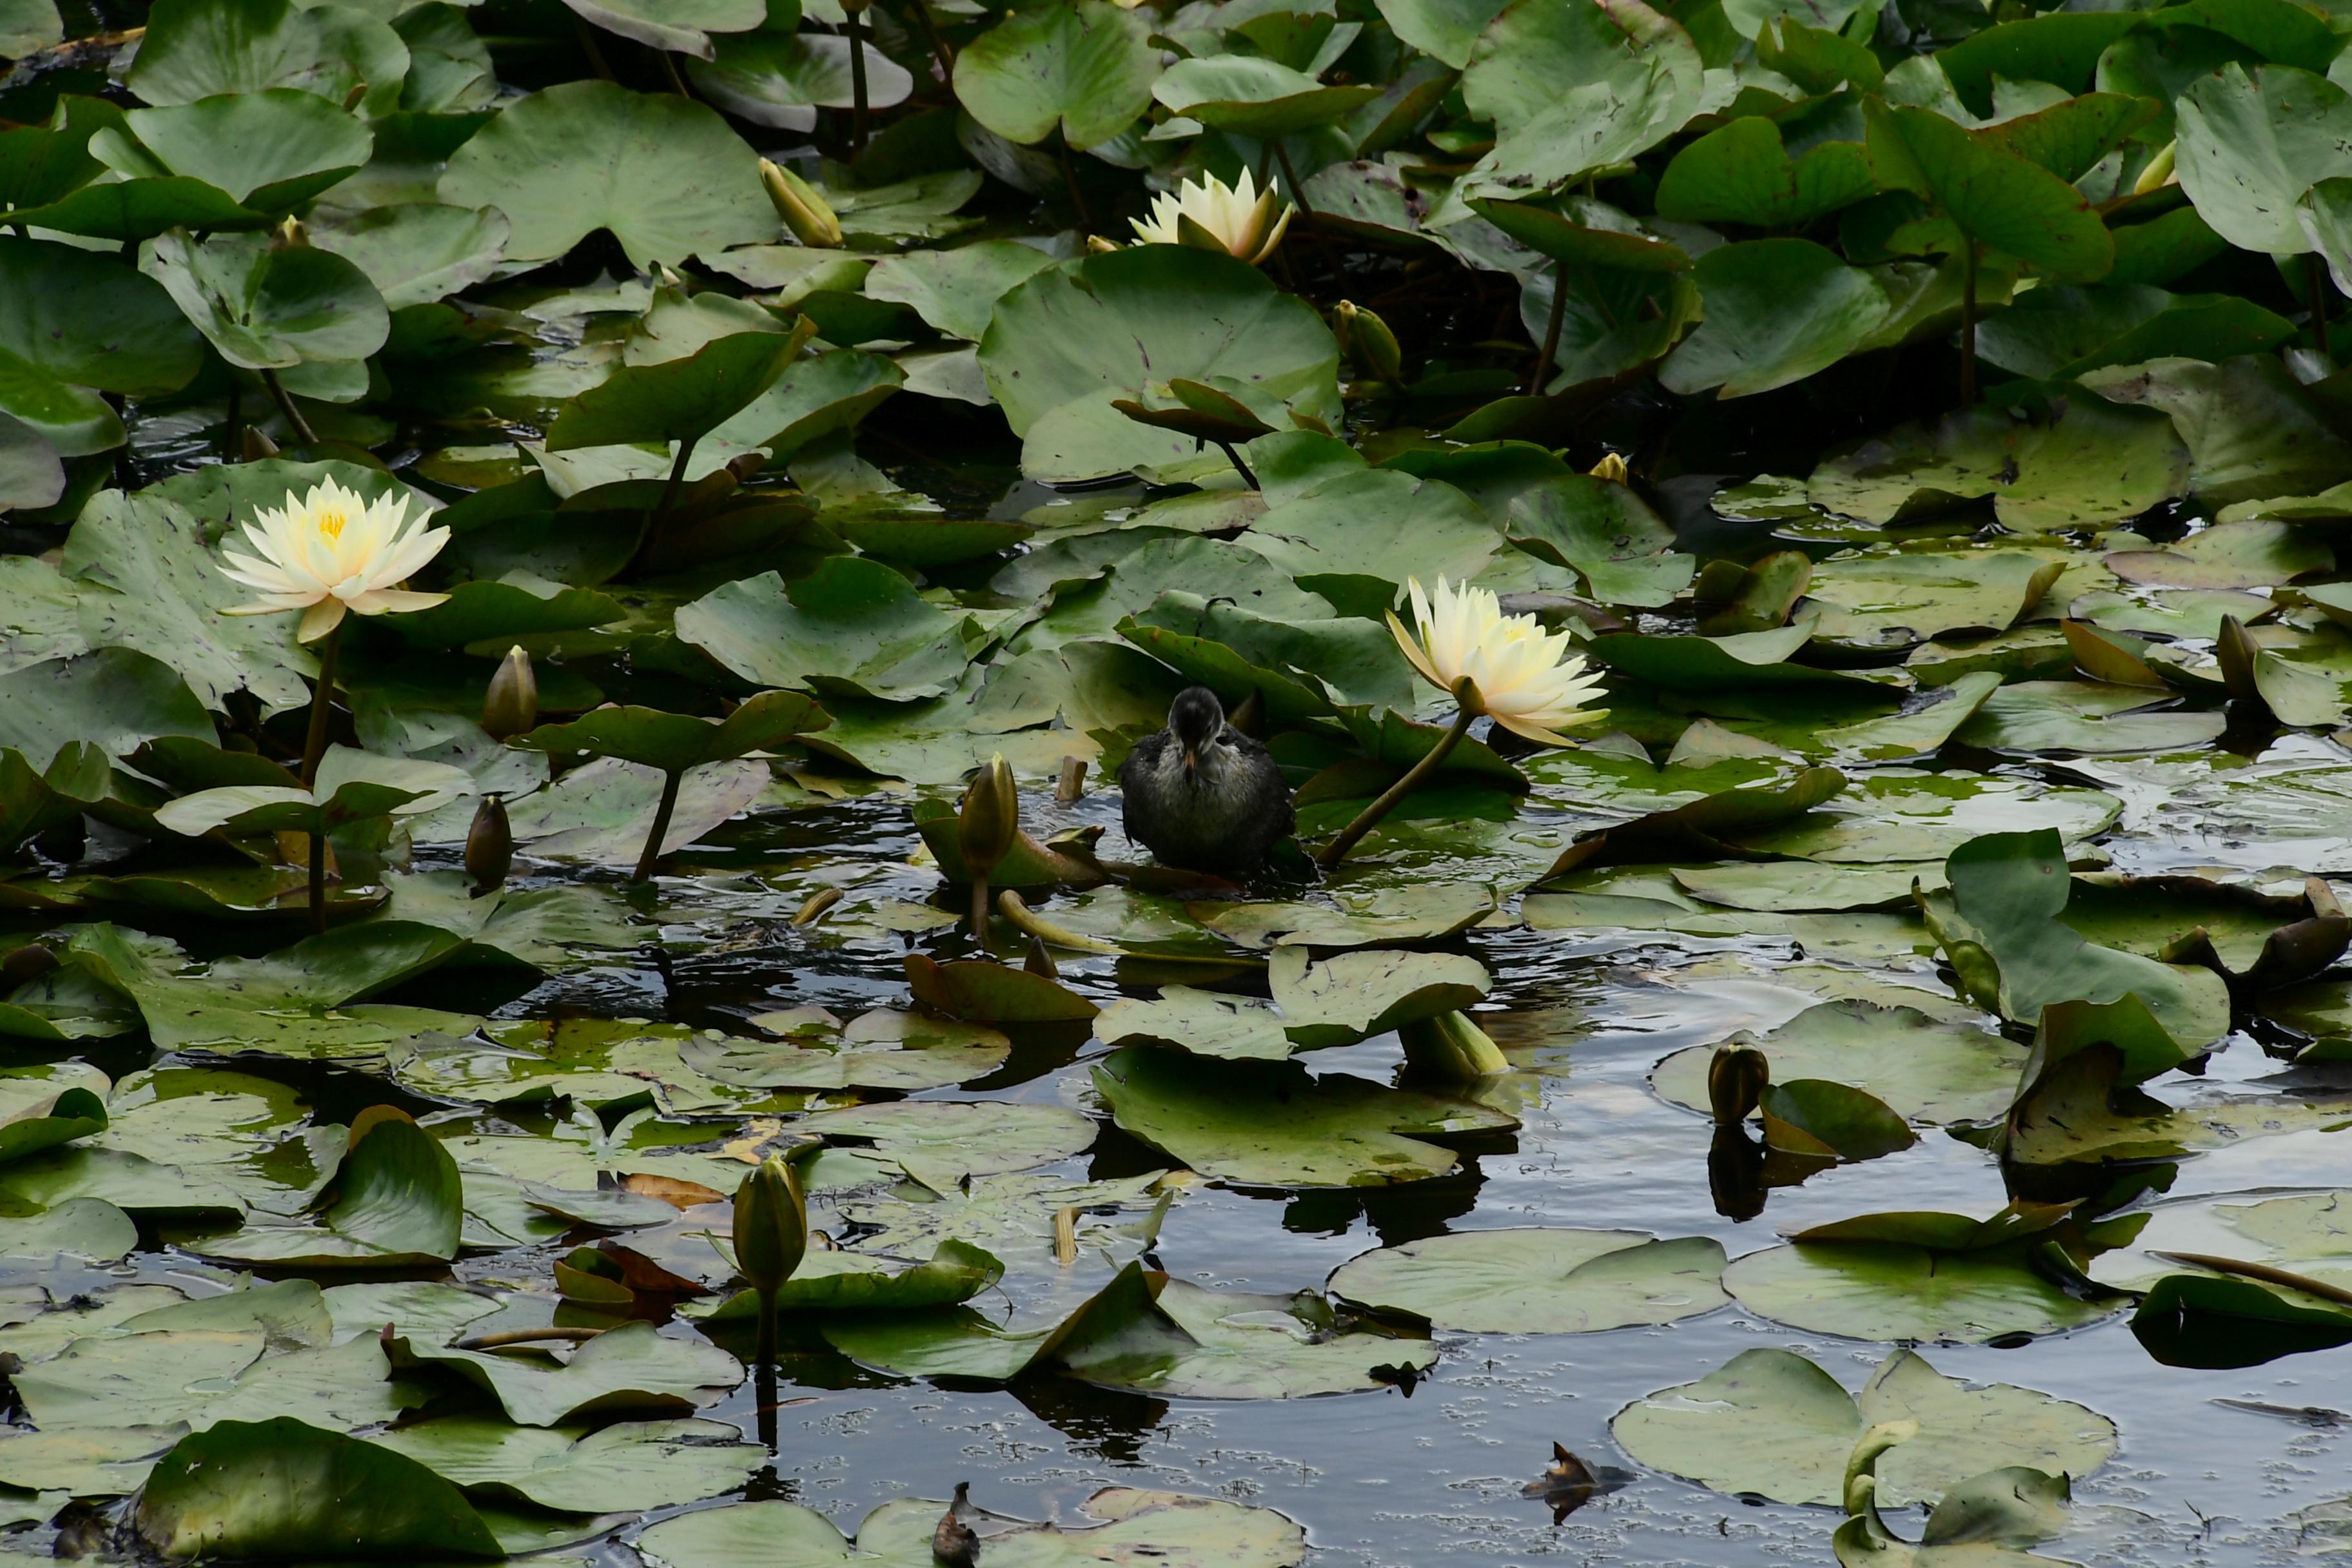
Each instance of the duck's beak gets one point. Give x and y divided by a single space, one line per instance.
1192 762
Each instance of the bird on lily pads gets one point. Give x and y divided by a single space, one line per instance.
1202 797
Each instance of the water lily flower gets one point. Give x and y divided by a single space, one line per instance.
1507 667
335 551
1524 676
1211 215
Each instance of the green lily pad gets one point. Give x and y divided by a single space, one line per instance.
1927 1068
1274 1124
2083 463
940 1142
632 1465
1999 925
1355 917
1064 343
1539 1282
2253 144
1160 1527
282 1489
397 1202
1893 1292
205 1377
881 1049
1085 68
853 626
1772 1424
631 1368
77 325
1778 311
663 174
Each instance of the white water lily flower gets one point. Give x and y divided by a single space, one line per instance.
335 551
1209 214
1522 675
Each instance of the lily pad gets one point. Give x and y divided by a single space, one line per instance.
1775 1425
1928 1069
1274 1124
1535 1281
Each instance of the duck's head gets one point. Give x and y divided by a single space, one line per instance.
1195 718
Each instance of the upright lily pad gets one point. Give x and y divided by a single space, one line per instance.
73 325
1082 67
1064 344
398 1202
282 1489
853 626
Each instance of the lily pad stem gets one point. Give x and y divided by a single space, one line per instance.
1233 456
2315 285
1070 178
1541 376
854 23
652 851
1370 817
301 426
1968 326
323 700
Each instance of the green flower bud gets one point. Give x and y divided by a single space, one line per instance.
771 1237
990 819
1368 342
512 706
804 212
489 845
1735 1081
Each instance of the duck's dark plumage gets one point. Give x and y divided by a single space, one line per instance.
1220 814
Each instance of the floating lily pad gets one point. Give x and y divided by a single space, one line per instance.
1532 1282
1162 1527
880 1049
1773 1423
1274 1124
1928 1069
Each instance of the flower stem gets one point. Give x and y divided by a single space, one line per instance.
855 24
1969 328
661 508
323 700
318 884
1233 456
301 426
652 851
1370 817
1541 378
980 908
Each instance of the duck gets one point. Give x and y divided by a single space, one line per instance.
1202 797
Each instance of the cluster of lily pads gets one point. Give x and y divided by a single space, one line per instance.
526 513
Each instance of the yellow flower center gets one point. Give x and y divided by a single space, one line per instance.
331 523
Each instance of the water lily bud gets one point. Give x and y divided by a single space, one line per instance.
1611 466
1735 1080
2161 171
290 235
991 817
512 706
771 1237
804 212
489 845
1097 245
25 964
1367 340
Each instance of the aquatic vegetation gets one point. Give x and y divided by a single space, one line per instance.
607 609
